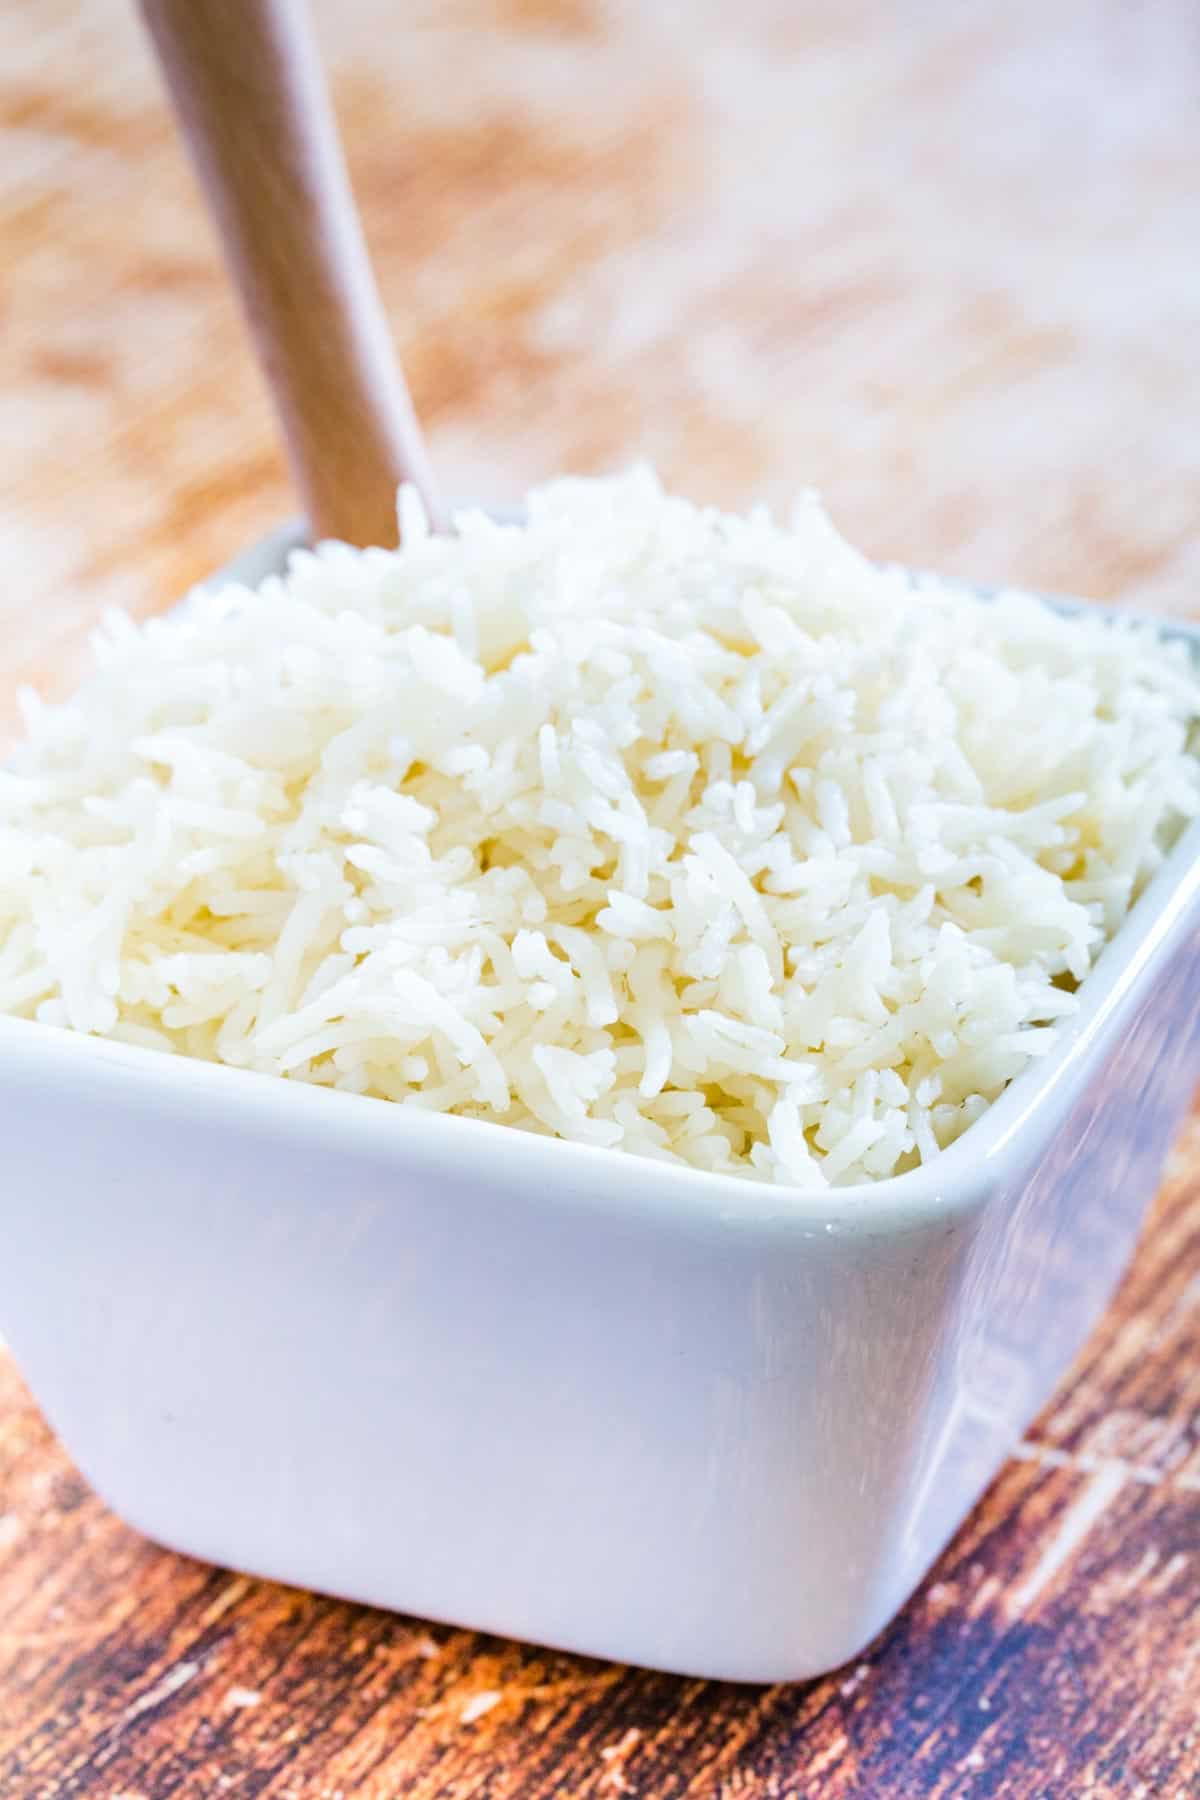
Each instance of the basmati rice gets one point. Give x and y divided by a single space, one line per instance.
638 824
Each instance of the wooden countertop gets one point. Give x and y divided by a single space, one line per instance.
939 261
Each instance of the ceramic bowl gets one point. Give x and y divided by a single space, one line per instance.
562 1393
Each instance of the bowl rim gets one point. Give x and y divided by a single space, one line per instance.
959 1180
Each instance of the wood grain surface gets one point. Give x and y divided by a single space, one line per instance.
939 260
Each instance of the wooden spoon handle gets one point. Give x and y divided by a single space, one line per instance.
247 85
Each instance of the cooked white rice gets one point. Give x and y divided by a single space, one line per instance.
639 825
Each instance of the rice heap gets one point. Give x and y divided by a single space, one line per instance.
639 825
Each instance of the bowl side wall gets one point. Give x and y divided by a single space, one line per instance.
428 1384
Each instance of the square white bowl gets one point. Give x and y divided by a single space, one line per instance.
561 1393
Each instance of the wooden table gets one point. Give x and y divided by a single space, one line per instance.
939 260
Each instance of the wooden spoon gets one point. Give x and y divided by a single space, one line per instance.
248 89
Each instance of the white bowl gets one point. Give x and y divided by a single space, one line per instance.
562 1393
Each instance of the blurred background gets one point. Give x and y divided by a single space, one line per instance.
940 261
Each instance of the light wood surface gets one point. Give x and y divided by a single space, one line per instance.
254 110
938 260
